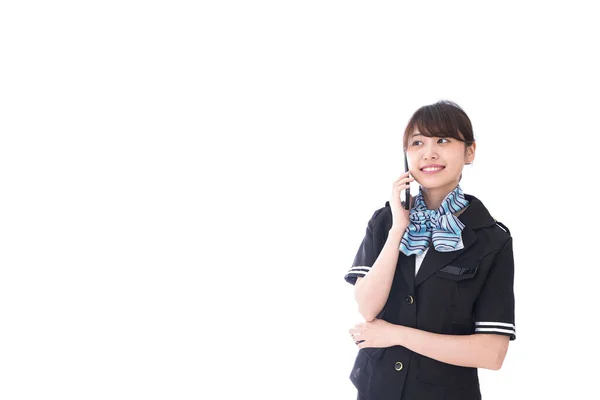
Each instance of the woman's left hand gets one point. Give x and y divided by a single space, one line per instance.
376 333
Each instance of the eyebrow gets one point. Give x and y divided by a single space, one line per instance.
434 136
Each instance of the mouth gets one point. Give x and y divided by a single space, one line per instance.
432 169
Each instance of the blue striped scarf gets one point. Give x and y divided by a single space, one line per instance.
439 226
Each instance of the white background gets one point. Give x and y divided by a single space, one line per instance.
183 186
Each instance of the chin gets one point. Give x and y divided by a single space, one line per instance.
434 185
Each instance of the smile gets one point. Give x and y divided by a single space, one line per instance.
433 169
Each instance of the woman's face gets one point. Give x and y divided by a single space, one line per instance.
437 162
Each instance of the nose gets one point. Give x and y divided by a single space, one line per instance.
429 152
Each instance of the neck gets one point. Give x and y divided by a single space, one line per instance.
433 197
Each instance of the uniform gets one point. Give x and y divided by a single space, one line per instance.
458 292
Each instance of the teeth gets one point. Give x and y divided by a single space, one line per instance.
432 169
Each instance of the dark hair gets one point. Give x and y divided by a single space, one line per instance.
442 119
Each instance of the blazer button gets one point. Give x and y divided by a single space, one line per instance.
398 366
410 299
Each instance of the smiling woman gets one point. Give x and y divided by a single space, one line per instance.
435 282
444 133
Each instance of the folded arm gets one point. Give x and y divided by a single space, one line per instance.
477 350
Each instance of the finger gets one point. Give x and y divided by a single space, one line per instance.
402 185
403 176
403 181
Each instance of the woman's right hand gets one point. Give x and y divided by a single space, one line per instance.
399 214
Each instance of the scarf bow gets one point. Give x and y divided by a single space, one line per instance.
438 226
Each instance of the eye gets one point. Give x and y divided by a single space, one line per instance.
415 143
446 140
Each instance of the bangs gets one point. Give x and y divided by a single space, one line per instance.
442 119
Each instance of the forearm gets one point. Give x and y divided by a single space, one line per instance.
372 291
476 350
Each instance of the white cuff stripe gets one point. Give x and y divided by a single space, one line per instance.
360 268
512 332
496 324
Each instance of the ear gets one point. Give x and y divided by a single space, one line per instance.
470 153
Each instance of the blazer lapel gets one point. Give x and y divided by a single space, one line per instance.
435 260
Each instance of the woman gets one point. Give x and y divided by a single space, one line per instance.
433 283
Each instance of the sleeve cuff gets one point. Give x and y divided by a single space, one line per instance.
499 328
356 272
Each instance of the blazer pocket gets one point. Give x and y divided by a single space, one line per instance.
458 271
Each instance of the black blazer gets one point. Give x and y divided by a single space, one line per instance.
459 293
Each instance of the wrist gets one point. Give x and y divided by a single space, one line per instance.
399 335
397 230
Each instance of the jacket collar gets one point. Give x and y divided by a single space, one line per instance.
476 215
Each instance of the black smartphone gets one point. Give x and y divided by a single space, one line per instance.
407 191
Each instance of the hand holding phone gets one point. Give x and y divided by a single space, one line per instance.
400 212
